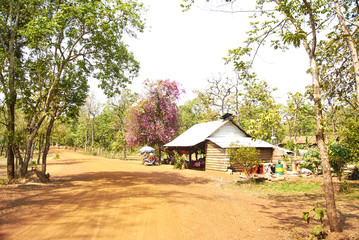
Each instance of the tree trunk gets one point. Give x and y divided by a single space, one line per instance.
2 147
41 147
47 144
92 133
159 153
32 151
295 134
24 162
124 153
328 184
11 118
351 45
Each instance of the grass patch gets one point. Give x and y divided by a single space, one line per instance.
300 187
297 187
32 164
3 181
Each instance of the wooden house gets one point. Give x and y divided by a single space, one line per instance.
213 139
307 142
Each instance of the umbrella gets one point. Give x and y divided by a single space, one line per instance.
147 149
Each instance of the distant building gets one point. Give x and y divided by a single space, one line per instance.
305 142
214 138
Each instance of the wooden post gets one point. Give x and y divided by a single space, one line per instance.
190 159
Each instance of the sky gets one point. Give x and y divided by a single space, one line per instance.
189 47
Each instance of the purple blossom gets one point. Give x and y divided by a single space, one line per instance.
155 119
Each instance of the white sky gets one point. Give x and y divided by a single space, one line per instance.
189 48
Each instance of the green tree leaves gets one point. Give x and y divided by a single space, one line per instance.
66 43
243 157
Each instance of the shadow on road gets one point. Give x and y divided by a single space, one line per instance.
87 191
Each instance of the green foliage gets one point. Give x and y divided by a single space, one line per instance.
109 126
350 137
295 187
195 111
282 188
3 181
66 43
312 160
32 164
179 160
317 213
243 157
345 186
339 156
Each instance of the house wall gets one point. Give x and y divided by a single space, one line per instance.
266 155
216 157
229 130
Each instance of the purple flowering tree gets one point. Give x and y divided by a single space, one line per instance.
154 120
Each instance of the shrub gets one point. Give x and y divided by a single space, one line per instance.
339 156
316 213
244 157
312 160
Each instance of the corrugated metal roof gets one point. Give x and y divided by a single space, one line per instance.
243 141
196 134
215 132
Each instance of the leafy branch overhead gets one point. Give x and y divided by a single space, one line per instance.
66 43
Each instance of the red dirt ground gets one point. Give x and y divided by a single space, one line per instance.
98 198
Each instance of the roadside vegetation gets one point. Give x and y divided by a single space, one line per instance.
45 98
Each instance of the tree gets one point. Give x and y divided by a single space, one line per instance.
154 120
350 137
295 105
258 111
92 108
218 92
339 156
15 15
312 160
64 41
120 104
244 157
349 26
295 23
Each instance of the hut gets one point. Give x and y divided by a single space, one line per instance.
213 139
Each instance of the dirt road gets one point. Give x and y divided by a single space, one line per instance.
97 198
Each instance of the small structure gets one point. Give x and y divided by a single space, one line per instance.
213 139
306 142
303 142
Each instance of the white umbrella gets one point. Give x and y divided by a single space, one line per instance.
147 149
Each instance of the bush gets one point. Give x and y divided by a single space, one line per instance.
179 161
244 157
311 160
3 182
339 156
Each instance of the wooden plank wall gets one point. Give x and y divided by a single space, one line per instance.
216 157
278 155
266 155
